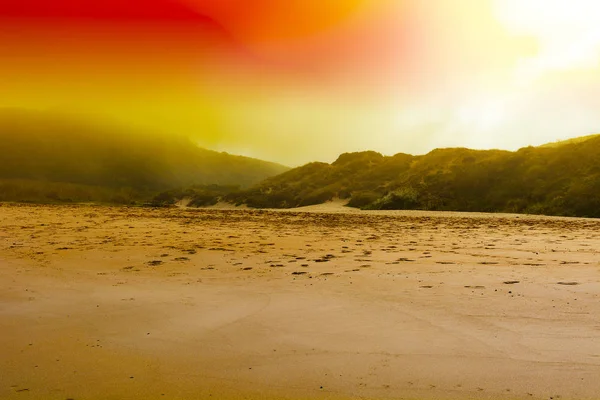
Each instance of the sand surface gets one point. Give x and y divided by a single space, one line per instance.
321 303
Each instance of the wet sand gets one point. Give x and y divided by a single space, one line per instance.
320 303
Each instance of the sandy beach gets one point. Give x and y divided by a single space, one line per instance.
319 303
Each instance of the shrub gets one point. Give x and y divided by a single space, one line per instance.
406 198
363 199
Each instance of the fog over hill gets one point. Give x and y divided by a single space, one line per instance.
60 159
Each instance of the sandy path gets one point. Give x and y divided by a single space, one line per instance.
109 303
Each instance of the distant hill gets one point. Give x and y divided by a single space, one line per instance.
553 180
52 158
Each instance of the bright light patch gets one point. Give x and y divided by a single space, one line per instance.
567 30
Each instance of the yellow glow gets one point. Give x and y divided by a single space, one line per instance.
303 80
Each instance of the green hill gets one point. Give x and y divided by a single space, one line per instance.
553 180
49 158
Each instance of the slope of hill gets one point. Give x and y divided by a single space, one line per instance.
57 159
563 180
579 139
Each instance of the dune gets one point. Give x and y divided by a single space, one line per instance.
333 206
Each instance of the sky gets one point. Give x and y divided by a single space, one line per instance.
295 81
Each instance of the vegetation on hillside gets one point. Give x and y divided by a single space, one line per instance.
553 180
52 159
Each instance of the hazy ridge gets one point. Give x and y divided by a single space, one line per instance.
54 159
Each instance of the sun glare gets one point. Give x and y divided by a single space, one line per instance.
567 32
548 18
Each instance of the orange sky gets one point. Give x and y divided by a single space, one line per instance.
299 80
